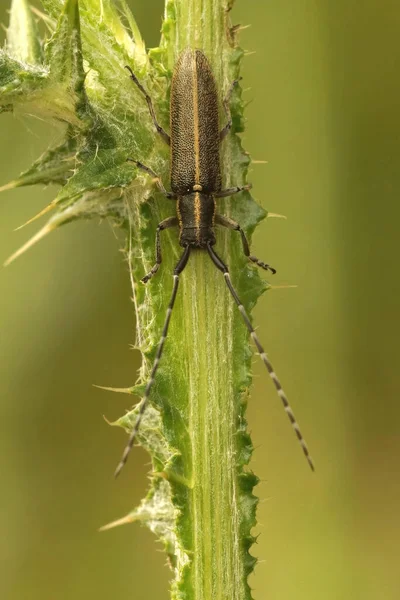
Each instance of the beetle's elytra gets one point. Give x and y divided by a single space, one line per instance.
196 186
195 135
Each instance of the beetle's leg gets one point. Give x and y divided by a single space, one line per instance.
227 108
233 190
157 179
149 101
166 224
227 222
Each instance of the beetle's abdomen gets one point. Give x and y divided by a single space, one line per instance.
194 125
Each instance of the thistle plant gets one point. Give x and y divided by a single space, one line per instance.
200 502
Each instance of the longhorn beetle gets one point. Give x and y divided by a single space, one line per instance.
196 184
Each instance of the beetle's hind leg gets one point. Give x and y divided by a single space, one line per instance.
227 100
166 224
231 224
149 101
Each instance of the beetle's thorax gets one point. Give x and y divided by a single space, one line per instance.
195 212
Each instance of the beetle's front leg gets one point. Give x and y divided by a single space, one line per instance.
166 224
231 224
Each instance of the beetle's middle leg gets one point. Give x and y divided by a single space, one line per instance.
233 190
231 224
166 224
149 101
157 178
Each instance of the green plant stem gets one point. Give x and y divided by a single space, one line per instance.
218 570
208 350
200 502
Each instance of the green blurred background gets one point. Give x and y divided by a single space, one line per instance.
325 115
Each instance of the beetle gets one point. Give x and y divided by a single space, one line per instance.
196 186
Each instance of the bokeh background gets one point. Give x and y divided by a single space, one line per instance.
325 90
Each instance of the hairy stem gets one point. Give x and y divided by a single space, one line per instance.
207 357
200 502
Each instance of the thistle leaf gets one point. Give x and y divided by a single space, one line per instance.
54 166
23 41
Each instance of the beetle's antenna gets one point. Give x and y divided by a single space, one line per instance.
145 400
222 267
